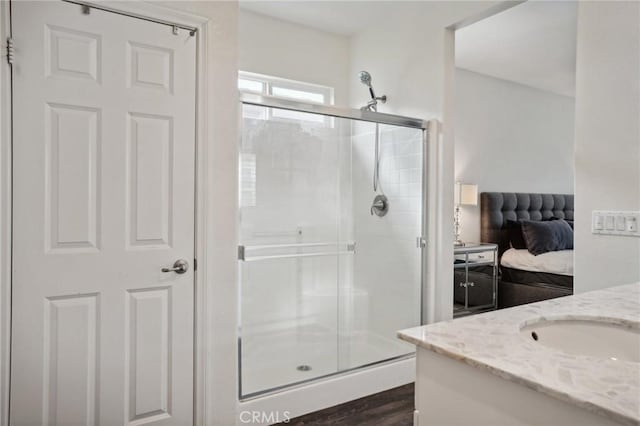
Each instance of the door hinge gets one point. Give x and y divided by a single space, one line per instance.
195 264
10 50
421 242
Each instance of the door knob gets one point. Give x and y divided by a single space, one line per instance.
180 267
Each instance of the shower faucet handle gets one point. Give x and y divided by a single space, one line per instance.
377 205
380 206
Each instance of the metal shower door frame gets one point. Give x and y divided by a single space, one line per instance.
333 111
421 240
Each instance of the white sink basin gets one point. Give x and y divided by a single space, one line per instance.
587 337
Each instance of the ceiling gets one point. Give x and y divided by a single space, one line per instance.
533 44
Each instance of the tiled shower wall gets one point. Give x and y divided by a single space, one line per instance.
387 264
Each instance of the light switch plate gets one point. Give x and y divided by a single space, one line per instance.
623 223
598 222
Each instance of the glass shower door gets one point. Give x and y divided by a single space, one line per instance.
292 245
326 282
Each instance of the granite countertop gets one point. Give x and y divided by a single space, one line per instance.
492 341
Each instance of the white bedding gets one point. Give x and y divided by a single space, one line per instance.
554 262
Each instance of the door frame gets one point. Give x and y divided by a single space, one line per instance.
203 304
5 214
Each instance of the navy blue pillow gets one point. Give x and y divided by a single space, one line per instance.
514 230
543 237
570 222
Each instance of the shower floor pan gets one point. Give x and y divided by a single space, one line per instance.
277 360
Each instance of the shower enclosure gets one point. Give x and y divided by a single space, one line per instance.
325 283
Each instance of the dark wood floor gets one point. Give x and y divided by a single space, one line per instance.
390 408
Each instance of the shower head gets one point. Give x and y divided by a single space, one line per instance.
365 78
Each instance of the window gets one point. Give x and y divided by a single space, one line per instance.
286 89
283 88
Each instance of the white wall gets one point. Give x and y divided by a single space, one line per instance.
408 57
607 158
284 49
510 138
405 56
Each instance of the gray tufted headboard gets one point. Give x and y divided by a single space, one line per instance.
498 207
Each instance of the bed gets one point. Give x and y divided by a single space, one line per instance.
525 278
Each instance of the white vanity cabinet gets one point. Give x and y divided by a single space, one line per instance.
503 368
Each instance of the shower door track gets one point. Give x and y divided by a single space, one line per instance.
332 111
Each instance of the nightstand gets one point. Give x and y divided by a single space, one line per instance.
475 278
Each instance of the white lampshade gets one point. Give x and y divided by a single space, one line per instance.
466 194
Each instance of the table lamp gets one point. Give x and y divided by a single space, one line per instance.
466 194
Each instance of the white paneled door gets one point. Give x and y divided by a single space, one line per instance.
104 154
